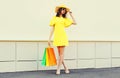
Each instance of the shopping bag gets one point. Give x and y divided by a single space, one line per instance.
52 57
43 63
49 58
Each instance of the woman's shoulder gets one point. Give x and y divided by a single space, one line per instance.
54 17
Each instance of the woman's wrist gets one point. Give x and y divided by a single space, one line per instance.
49 40
70 12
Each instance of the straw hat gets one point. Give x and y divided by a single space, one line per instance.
62 6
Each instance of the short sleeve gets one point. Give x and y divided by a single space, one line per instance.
52 21
68 22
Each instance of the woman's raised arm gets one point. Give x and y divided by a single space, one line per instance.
74 22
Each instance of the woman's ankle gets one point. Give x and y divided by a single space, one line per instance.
66 68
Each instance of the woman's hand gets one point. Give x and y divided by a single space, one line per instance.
70 12
49 43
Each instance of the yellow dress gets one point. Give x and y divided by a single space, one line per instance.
60 36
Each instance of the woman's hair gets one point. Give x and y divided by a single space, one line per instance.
59 12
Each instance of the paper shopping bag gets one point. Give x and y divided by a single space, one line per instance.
51 57
43 63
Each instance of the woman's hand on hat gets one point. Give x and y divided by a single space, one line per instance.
70 12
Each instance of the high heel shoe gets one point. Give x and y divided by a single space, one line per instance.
67 71
57 72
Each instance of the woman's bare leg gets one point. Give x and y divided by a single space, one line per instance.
61 59
66 69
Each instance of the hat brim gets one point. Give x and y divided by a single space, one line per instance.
56 9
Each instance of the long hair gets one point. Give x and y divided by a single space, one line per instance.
59 12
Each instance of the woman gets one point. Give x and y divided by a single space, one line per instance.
58 24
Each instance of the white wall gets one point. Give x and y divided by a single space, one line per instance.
26 55
29 19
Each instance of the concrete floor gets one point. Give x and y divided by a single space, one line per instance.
75 73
